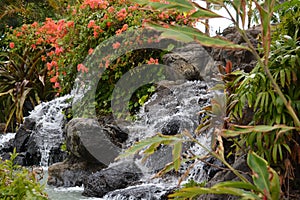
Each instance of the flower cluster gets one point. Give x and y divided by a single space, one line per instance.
65 44
94 4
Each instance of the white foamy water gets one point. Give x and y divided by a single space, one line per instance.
5 137
49 121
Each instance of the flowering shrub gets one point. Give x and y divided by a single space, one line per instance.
57 49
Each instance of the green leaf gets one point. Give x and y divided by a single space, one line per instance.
151 143
177 155
179 5
260 173
274 184
189 34
204 13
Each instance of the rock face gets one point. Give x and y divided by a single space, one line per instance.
241 59
225 175
192 61
116 177
87 140
92 147
146 191
71 172
25 142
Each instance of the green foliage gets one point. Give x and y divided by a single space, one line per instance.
265 184
255 90
270 90
22 79
18 183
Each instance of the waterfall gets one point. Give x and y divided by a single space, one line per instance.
179 105
48 127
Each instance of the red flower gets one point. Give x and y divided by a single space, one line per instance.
11 45
121 15
116 45
82 68
153 61
56 85
91 24
111 9
34 24
91 51
53 79
33 46
108 24
58 50
49 66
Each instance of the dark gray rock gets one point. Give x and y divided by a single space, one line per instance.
56 155
172 127
119 176
192 61
226 175
241 59
71 172
89 141
139 192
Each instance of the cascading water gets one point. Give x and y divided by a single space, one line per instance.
176 110
48 127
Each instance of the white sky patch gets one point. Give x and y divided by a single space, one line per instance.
219 24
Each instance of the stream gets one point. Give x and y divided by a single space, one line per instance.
176 110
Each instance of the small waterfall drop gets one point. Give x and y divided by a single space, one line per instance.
5 138
178 104
48 128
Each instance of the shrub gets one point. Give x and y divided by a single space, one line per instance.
18 183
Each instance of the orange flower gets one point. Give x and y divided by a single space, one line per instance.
11 45
43 58
82 68
108 24
125 27
153 61
111 9
53 79
116 45
91 51
91 24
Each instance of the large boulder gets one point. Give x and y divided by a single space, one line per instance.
71 172
192 61
92 146
118 176
240 59
144 191
87 140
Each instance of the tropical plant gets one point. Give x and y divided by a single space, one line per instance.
19 183
268 88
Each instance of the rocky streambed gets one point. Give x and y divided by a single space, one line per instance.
91 145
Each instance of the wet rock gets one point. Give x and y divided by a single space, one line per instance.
192 61
225 175
71 172
145 191
241 59
212 167
89 141
172 127
119 176
57 155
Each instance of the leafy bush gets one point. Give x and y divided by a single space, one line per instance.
41 59
18 183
